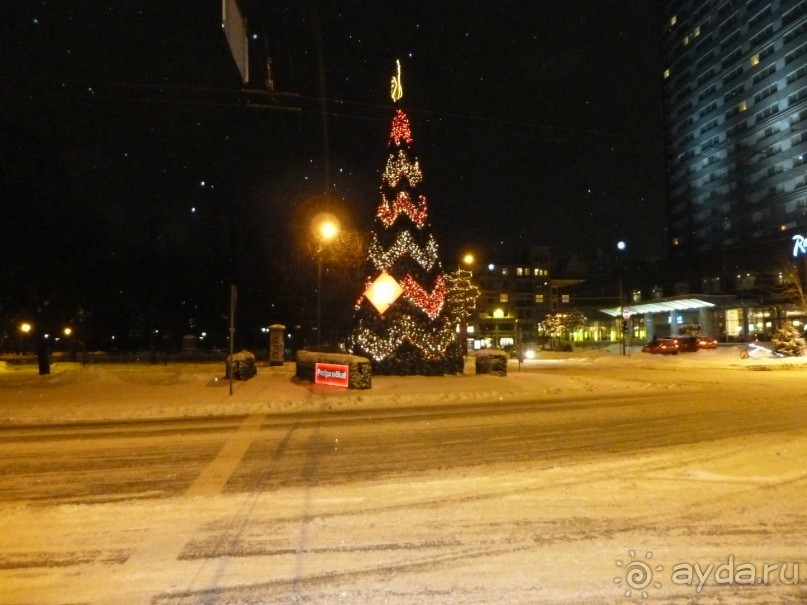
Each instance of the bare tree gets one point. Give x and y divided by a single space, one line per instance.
343 266
789 289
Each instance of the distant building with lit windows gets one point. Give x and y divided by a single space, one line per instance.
515 298
735 117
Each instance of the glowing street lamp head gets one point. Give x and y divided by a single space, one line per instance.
621 245
325 227
328 230
25 327
468 259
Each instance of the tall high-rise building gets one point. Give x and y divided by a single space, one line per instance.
735 106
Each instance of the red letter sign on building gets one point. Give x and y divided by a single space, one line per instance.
331 373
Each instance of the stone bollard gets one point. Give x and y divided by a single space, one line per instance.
241 365
360 374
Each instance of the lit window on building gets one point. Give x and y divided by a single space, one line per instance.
666 73
564 298
504 297
673 20
539 298
754 60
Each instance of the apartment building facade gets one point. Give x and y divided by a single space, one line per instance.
735 108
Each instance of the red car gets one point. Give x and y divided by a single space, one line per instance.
707 342
663 346
687 344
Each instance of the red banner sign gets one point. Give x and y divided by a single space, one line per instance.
331 373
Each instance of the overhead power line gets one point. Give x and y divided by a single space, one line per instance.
262 99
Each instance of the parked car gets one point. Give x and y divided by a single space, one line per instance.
707 342
663 346
687 344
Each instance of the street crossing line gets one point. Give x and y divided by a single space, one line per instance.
213 479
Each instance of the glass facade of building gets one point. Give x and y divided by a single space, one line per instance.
735 106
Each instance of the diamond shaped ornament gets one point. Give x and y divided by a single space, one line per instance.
383 292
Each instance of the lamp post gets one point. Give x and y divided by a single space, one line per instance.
71 342
621 246
326 229
468 260
25 330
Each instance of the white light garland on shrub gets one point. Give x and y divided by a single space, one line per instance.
461 294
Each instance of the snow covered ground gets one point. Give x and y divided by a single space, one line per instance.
75 393
611 529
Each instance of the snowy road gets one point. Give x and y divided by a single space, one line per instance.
99 462
528 491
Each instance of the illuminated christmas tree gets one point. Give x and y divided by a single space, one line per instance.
461 295
401 321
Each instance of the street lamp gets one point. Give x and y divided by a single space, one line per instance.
468 260
621 246
70 336
25 330
326 228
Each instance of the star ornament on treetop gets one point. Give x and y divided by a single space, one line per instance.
396 87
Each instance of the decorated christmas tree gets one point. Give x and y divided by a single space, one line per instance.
401 321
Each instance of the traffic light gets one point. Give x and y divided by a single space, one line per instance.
625 327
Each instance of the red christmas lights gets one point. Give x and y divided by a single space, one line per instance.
388 213
400 128
432 303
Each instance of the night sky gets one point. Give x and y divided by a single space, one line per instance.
139 178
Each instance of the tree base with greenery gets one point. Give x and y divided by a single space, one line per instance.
789 341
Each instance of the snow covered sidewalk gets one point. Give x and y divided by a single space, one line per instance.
76 393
